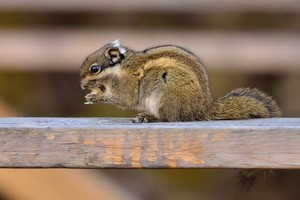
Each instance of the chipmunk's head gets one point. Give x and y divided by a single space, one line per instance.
107 57
102 73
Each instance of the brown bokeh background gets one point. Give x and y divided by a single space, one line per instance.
243 44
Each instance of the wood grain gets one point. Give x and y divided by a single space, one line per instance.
117 143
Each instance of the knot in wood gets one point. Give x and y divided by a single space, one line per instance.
91 159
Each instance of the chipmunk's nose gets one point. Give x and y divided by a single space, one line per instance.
83 84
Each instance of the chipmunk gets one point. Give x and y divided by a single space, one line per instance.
168 83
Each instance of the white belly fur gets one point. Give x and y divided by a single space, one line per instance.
152 104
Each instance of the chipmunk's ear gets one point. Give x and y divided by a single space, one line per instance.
115 53
118 45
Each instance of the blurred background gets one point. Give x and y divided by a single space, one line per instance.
243 44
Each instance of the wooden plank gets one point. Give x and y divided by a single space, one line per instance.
63 50
117 143
156 5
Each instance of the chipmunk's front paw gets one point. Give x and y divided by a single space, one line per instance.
144 118
94 98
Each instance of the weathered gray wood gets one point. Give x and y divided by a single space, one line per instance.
117 143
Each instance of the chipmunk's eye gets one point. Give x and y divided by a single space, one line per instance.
95 68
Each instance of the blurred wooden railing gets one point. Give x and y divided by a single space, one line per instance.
63 49
169 5
117 143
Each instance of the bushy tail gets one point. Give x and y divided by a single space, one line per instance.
245 103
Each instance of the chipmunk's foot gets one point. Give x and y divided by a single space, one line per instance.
144 118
